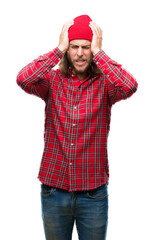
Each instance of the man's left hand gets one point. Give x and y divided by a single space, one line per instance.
97 38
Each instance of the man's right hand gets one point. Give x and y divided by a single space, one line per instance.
63 39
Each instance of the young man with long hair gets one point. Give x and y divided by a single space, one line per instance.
74 170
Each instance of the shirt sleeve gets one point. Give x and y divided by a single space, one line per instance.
34 78
120 83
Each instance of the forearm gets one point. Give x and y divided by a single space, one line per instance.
36 73
120 82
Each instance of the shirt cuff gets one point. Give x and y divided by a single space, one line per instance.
101 57
53 56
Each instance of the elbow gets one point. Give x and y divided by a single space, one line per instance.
134 87
18 80
132 90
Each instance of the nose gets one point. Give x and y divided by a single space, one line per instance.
80 52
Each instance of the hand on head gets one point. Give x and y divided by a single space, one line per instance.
86 25
96 43
63 39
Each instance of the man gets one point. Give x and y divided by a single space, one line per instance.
74 171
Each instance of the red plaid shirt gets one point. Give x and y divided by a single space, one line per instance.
77 119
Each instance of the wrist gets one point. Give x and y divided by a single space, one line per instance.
62 48
95 51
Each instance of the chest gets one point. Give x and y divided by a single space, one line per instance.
83 99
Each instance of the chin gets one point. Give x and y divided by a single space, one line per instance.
81 70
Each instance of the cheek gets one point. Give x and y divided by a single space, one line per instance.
70 56
88 54
89 57
72 52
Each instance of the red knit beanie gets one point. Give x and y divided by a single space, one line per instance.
80 29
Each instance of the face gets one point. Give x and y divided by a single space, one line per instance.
80 55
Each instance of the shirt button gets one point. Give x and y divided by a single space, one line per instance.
75 107
74 124
70 163
72 144
107 75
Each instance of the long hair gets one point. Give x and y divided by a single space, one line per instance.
65 65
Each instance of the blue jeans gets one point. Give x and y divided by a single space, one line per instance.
61 208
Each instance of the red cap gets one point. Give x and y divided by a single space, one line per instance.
80 29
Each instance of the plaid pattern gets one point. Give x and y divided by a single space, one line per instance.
77 119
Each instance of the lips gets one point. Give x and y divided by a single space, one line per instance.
80 62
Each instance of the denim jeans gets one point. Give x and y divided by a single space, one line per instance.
60 209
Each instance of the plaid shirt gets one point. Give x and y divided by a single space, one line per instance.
77 118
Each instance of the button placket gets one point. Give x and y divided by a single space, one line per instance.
72 142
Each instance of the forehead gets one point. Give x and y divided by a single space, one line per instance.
80 42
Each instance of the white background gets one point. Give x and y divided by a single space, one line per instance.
30 28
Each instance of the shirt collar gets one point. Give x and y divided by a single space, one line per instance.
75 78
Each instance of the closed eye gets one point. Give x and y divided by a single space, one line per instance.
74 46
86 47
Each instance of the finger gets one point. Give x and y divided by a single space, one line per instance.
91 25
68 24
95 28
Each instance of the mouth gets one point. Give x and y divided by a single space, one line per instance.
80 62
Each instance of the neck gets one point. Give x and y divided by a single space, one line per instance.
81 75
